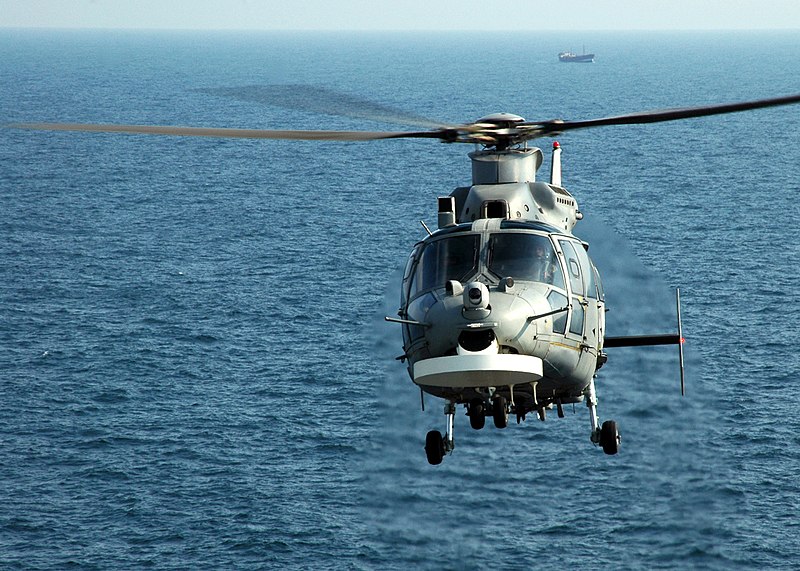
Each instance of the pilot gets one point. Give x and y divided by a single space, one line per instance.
543 263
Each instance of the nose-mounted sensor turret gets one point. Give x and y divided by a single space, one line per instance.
476 301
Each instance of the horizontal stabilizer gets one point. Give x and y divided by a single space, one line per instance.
642 340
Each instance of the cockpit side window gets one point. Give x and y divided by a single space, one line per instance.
410 263
407 274
452 258
525 257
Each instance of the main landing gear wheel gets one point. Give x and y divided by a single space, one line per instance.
609 437
500 412
477 414
434 447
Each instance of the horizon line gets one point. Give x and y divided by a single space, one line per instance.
390 30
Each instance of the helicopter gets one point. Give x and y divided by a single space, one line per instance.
501 308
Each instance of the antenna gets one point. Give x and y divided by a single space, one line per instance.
555 165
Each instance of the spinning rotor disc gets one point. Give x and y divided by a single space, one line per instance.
500 130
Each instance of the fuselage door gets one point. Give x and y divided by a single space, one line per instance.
577 268
587 308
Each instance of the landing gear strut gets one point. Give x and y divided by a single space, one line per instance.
606 436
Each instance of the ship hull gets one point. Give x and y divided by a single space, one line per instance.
567 57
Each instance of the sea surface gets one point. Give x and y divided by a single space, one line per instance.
194 368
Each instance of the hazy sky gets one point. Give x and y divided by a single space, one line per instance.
403 14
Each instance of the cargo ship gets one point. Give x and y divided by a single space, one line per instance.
569 57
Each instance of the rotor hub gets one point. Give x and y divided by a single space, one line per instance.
502 119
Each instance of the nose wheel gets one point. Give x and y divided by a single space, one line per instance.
477 414
500 412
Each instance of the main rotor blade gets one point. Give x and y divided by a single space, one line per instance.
551 127
227 133
318 99
490 134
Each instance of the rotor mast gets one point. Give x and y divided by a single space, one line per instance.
504 182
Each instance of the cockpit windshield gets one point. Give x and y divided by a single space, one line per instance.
525 257
453 258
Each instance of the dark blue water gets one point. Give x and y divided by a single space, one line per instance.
194 370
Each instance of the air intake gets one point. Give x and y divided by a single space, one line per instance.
498 167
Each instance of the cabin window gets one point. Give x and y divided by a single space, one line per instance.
576 324
525 257
453 258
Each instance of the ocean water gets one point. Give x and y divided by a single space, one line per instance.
194 368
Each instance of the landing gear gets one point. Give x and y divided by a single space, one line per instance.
607 436
436 445
477 411
500 412
477 414
489 402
